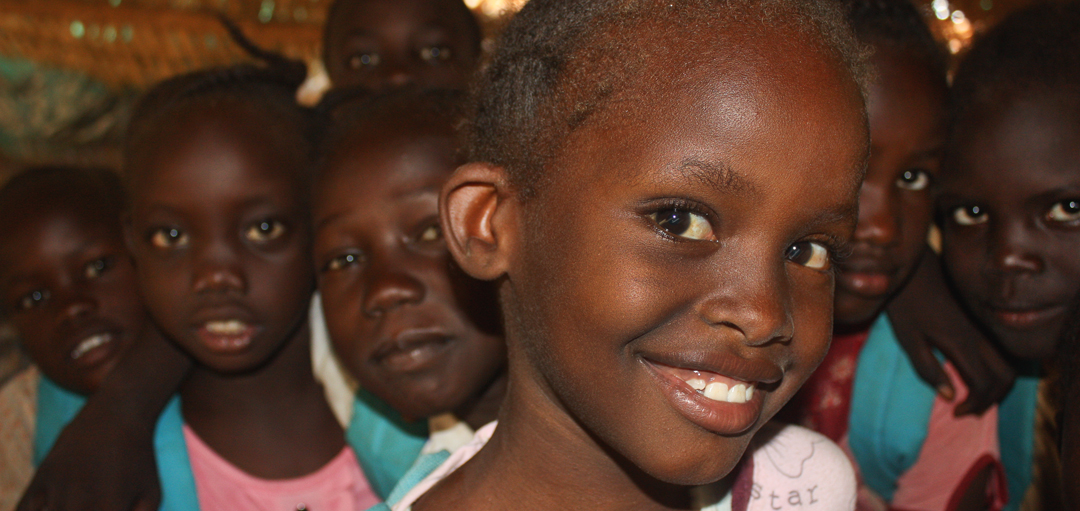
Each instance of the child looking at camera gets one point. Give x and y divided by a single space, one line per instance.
912 448
636 190
217 164
380 45
68 285
1010 216
426 339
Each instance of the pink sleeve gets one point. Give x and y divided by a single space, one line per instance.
955 451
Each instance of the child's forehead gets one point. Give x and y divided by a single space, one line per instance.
56 228
202 136
734 76
1016 150
370 161
373 16
1035 126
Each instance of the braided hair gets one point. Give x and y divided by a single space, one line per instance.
268 88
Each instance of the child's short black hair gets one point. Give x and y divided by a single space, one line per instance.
58 185
1034 50
531 96
342 112
272 85
898 24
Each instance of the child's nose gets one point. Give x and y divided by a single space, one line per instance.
217 270
1014 249
389 289
758 308
75 304
877 216
219 278
398 77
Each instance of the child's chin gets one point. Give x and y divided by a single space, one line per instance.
1037 344
708 466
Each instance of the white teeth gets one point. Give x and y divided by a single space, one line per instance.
737 394
717 391
90 343
230 327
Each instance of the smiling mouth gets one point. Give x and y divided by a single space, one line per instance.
714 386
91 343
228 336
718 403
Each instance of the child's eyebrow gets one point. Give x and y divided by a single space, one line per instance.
718 176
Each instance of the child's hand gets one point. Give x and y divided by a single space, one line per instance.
925 315
98 463
104 459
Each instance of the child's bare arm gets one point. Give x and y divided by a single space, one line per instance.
925 316
104 459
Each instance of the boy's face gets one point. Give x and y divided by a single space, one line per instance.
411 327
220 237
1010 213
381 45
907 131
685 241
69 287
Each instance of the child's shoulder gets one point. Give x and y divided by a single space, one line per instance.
18 417
794 466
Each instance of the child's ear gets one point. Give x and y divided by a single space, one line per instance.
477 211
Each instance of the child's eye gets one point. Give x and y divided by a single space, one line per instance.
362 60
913 180
266 230
683 223
97 267
34 299
169 237
435 54
343 261
969 215
1066 211
810 254
431 233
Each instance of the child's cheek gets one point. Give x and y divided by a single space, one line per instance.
812 302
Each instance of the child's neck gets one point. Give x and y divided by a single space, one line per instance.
532 444
485 407
272 423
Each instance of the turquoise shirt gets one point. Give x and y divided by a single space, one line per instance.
58 406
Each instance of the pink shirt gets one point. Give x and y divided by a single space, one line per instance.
956 449
337 486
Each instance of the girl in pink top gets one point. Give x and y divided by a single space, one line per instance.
219 230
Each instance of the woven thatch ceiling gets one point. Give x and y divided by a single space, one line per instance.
137 42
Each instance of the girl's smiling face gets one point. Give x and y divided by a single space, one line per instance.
411 327
683 239
70 288
1010 213
907 131
220 235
